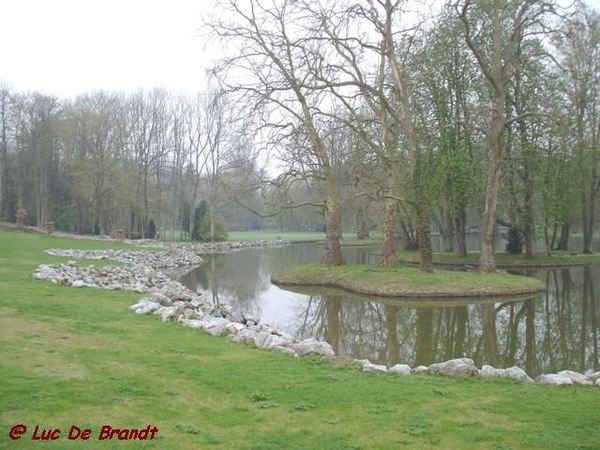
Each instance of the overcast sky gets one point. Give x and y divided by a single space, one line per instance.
67 47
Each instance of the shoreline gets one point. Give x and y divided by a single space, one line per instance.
173 302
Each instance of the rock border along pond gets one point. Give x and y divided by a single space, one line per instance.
173 302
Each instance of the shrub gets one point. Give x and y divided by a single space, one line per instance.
151 229
514 241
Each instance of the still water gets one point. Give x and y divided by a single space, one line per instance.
555 330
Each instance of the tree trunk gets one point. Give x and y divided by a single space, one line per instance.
529 217
333 249
3 163
362 230
588 221
426 264
192 217
487 262
563 240
460 232
448 233
390 221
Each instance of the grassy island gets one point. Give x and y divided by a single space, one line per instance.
403 281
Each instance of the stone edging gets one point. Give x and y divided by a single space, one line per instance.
465 367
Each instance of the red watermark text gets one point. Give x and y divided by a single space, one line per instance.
76 433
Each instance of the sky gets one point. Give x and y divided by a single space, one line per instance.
69 47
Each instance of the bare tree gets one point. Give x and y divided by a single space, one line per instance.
367 37
96 155
149 123
277 54
4 129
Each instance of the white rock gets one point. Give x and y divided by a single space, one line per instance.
161 298
145 307
192 323
420 370
374 368
516 373
488 371
597 383
312 346
78 283
261 338
245 336
169 313
361 362
273 340
287 337
402 369
576 377
235 327
460 367
284 350
139 287
554 379
594 376
215 326
197 301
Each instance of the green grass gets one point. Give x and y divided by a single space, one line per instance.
505 260
78 357
403 281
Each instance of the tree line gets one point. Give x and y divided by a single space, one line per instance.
147 162
367 112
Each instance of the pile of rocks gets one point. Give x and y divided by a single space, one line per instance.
206 248
171 300
465 367
136 278
156 260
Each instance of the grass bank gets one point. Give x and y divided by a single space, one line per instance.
77 357
306 236
505 260
403 281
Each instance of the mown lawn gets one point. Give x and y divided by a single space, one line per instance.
403 281
78 357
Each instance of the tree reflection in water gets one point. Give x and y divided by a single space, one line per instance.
555 330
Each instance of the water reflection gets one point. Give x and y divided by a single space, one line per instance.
555 330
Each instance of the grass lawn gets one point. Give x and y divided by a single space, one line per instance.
403 281
78 357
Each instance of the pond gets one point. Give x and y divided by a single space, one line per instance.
555 330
